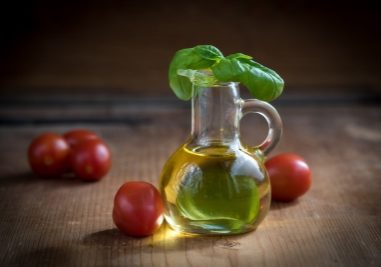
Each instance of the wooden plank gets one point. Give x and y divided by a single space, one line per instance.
65 222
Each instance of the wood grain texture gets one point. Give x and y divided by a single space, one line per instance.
65 222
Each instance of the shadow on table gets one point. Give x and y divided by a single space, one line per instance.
164 239
167 239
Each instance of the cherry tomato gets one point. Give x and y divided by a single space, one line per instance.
75 137
48 155
90 160
138 209
290 176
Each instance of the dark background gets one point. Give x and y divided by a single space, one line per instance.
107 47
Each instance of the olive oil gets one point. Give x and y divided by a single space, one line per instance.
214 189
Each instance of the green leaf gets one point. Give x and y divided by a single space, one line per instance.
228 70
208 52
197 58
238 55
262 82
189 67
198 78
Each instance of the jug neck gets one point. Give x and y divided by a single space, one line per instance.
215 115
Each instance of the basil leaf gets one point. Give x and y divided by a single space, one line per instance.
208 52
262 82
188 66
198 78
238 55
197 58
228 70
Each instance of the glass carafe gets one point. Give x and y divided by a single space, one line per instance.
213 184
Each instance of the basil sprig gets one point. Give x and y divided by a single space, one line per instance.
192 67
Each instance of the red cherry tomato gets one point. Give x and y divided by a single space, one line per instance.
90 160
290 176
138 209
48 155
75 137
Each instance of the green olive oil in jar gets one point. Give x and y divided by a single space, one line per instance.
213 190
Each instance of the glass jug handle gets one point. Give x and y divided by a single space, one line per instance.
272 118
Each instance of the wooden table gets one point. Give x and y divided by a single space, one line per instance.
66 222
